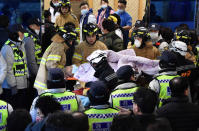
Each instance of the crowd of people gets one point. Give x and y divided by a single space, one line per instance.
38 65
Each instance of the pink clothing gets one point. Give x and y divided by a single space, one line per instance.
102 17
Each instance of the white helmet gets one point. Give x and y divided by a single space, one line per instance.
180 47
97 56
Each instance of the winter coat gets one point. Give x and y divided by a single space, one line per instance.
112 41
183 116
3 71
3 36
54 57
61 20
54 12
83 50
148 51
11 81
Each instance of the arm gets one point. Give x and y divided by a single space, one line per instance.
30 54
3 69
10 109
128 23
33 111
8 56
80 106
77 57
155 86
118 44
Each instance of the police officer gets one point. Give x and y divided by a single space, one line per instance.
122 95
160 84
56 88
100 115
15 84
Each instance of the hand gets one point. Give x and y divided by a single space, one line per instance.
123 111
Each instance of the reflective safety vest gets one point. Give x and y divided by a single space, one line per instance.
123 97
19 66
38 49
165 91
68 100
3 115
100 119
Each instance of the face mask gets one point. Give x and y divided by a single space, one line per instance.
103 6
84 11
56 4
153 35
137 43
120 11
37 32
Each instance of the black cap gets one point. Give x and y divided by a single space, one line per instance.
98 89
154 27
36 21
125 72
16 28
55 75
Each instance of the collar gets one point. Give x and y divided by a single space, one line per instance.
59 90
126 85
166 72
100 106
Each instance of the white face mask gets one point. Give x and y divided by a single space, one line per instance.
84 11
137 43
56 4
104 6
37 32
154 35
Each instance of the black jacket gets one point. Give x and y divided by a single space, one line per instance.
3 36
183 116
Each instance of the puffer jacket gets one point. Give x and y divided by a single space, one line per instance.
149 51
112 41
3 71
54 57
11 81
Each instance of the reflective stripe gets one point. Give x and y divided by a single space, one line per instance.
40 85
65 98
54 57
60 66
102 116
164 81
77 56
123 95
43 61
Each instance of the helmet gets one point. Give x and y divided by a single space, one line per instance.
113 18
143 33
64 3
67 33
97 56
90 29
183 36
180 47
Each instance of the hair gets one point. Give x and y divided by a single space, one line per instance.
60 121
47 104
106 1
146 99
83 3
108 25
18 120
160 124
4 21
178 85
166 33
81 119
124 123
122 1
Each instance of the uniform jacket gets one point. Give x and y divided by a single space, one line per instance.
83 50
112 41
54 57
61 20
149 51
10 80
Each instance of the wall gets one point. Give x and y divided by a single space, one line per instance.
134 7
